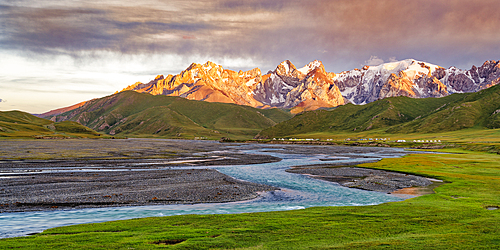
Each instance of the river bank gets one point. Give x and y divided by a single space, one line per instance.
76 174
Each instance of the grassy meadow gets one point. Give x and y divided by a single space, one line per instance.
462 214
141 115
460 136
21 125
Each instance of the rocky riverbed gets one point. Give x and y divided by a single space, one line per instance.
67 174
363 178
75 189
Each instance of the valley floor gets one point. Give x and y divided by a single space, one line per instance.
462 214
49 191
369 179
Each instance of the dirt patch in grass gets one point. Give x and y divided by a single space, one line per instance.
168 242
417 191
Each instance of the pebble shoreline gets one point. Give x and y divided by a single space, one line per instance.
42 185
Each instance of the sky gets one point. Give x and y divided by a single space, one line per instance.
57 53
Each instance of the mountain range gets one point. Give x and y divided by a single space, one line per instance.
399 115
311 87
208 101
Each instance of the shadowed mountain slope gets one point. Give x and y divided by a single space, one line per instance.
130 113
17 124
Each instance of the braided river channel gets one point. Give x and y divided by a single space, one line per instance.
296 191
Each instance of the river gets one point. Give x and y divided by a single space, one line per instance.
297 191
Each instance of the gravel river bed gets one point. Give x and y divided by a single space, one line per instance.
45 184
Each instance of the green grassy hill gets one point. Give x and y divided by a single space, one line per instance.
17 124
399 115
143 115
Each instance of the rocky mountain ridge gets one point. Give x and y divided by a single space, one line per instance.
311 87
414 79
286 87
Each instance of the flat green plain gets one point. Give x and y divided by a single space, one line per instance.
462 214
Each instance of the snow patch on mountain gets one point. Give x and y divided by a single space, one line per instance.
286 66
309 67
251 82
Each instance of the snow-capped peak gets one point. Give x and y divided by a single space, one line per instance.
288 86
411 67
393 67
286 65
285 68
309 67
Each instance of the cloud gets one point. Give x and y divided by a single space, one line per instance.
254 5
340 33
72 30
374 61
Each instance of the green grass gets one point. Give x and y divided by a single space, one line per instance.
460 136
473 139
135 114
21 125
455 217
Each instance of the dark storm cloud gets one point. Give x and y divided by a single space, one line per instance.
50 30
75 29
343 34
154 27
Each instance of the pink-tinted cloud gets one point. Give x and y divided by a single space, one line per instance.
343 33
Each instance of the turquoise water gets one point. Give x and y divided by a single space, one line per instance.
297 192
